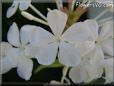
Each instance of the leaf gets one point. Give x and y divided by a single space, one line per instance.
56 64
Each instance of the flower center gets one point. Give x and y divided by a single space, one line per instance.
98 41
22 47
58 40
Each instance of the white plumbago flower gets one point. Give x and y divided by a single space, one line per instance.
44 45
86 71
93 52
7 63
22 4
99 44
17 55
85 48
103 40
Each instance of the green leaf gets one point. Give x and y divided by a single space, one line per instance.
56 64
39 68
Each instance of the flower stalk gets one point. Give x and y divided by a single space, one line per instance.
64 73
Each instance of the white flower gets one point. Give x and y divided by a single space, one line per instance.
7 62
109 69
103 42
86 71
16 56
22 4
99 43
103 39
46 44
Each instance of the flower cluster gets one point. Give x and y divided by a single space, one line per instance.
85 46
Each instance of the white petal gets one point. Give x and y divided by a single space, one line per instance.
57 21
24 4
31 50
107 46
4 47
108 62
26 33
24 68
6 65
46 55
14 54
41 37
94 69
77 32
78 74
12 10
109 70
13 35
69 54
107 30
86 47
100 54
92 27
9 61
96 53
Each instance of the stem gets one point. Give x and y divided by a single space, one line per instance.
38 12
101 14
64 72
67 80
